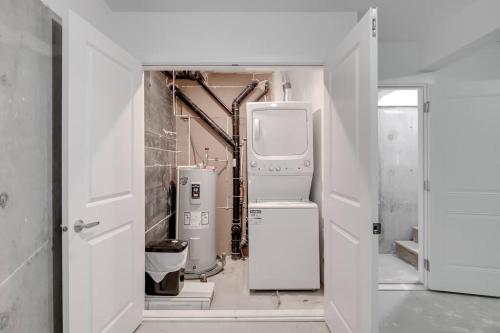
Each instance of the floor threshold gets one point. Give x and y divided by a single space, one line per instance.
235 315
401 286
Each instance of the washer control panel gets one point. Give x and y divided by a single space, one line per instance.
281 167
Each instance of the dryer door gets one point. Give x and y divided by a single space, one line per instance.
279 132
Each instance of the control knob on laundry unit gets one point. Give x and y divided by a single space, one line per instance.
307 163
278 168
253 164
271 169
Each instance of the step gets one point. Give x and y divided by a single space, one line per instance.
194 295
414 233
408 251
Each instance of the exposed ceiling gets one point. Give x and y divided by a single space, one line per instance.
400 20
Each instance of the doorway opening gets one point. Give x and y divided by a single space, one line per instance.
190 127
401 204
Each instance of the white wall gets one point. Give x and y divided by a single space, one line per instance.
398 59
211 38
484 64
454 38
307 85
232 38
468 30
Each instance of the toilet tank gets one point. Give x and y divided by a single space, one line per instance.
280 151
196 200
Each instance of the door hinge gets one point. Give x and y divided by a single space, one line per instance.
377 228
427 265
427 186
427 106
374 27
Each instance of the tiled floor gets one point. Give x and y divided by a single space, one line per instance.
231 293
391 269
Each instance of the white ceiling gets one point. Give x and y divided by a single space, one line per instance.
400 20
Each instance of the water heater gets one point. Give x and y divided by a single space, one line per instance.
196 197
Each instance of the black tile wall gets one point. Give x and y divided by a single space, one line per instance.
160 159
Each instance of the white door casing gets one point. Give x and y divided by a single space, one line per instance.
350 173
464 196
103 266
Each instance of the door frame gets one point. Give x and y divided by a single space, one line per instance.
423 169
234 315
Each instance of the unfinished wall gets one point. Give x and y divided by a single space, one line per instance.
194 136
398 152
160 156
30 206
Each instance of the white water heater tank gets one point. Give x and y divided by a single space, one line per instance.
196 197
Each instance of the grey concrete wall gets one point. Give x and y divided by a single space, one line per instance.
27 207
160 157
398 149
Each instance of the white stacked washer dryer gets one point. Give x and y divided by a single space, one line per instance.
283 224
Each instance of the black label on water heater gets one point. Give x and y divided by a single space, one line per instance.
195 191
255 216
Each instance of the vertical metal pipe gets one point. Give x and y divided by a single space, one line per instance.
189 140
236 226
264 86
237 182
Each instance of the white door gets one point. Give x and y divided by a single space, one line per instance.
350 192
464 197
104 261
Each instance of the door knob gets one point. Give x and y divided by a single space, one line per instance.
80 225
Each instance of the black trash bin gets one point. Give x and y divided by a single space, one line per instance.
165 262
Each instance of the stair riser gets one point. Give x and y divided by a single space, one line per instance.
408 256
414 235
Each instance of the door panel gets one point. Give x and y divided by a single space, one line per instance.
104 263
343 123
350 195
464 198
112 293
110 151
